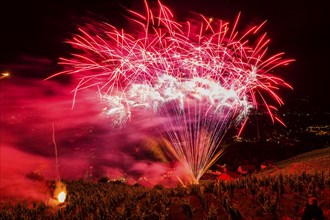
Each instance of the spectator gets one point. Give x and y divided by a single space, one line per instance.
313 211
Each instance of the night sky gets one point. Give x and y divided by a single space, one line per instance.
39 28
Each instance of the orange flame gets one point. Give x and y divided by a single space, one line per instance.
60 192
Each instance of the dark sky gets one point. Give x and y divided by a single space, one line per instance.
299 28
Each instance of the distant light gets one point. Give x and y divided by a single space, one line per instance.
4 75
210 19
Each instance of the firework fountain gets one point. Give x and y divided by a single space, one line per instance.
200 78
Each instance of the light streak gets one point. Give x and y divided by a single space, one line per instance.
4 75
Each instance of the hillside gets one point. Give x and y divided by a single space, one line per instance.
309 162
280 192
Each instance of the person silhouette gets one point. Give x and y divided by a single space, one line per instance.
313 211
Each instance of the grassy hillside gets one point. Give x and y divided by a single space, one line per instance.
280 192
310 162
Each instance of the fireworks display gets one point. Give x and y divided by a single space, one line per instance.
200 77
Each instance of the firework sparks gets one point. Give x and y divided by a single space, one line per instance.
203 76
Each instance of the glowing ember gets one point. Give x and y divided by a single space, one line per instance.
61 197
60 192
202 76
